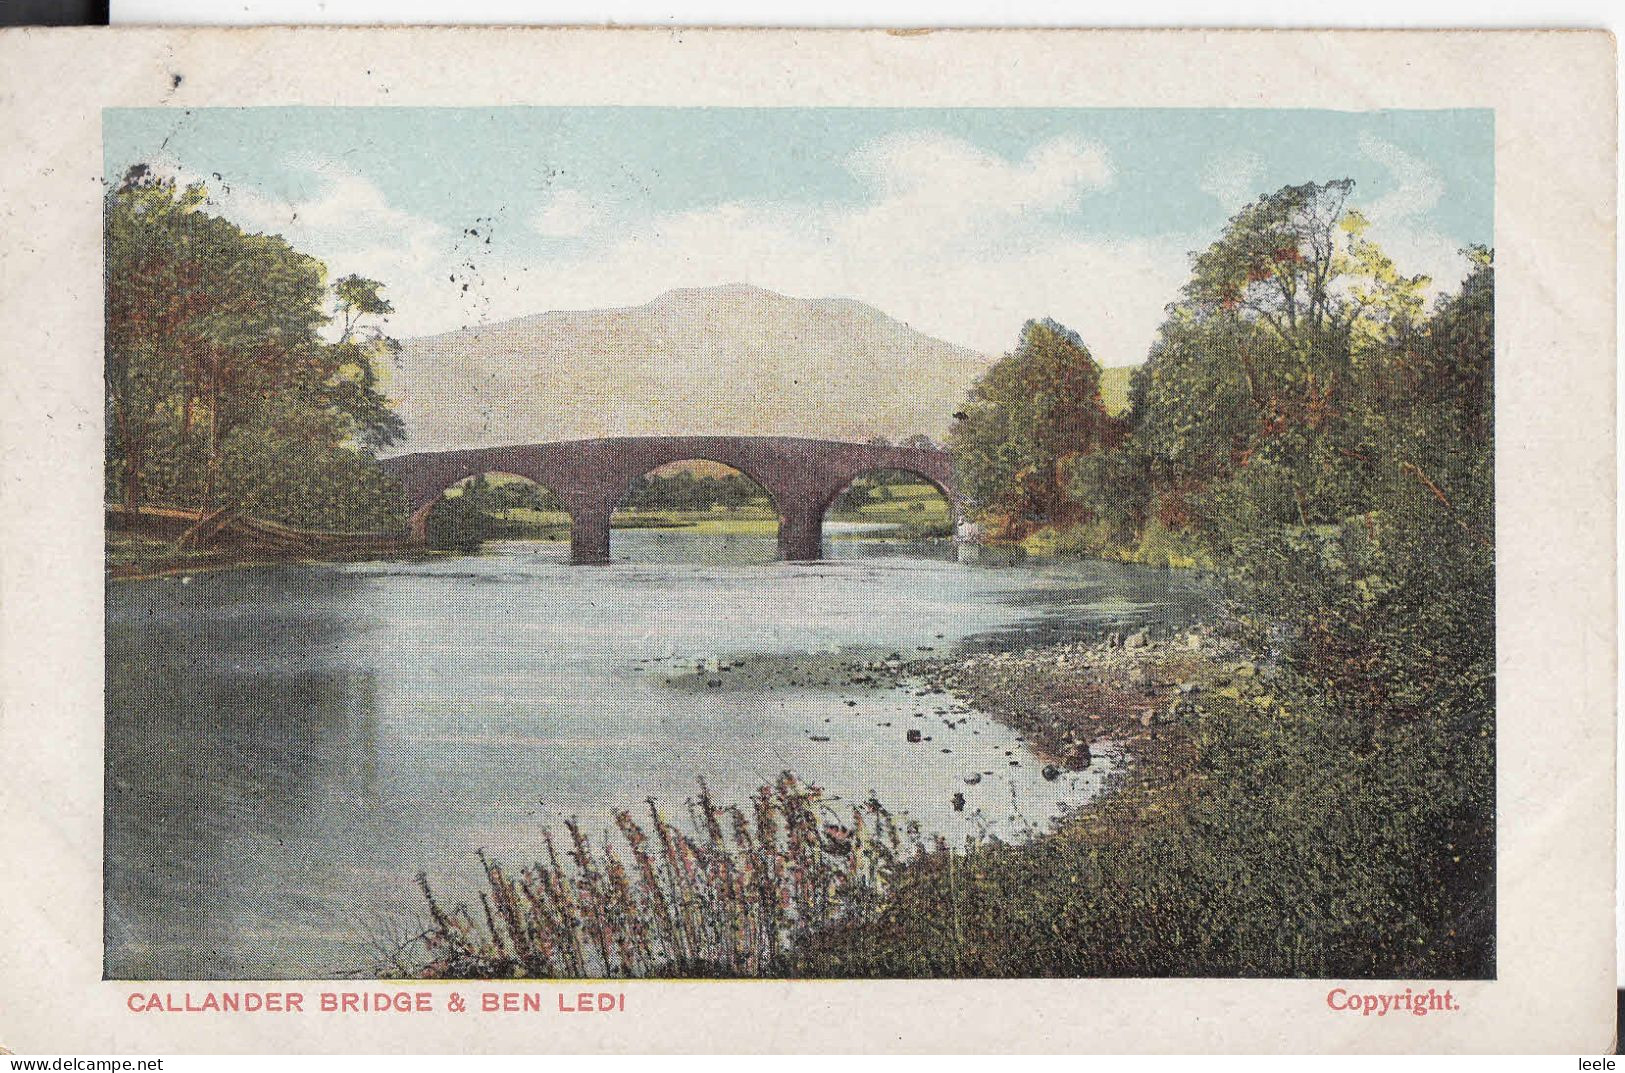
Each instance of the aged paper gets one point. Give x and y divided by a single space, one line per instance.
477 429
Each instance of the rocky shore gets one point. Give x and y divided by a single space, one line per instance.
1126 694
1141 702
1067 698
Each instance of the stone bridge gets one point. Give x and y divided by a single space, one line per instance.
802 476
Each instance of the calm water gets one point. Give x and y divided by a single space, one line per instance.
287 746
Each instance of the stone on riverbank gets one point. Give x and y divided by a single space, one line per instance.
1070 698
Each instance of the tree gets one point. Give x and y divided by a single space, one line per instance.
200 309
353 388
1260 361
215 348
1327 445
154 281
1033 411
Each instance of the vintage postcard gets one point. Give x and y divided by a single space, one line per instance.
549 540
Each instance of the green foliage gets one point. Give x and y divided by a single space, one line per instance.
1352 516
1304 429
876 492
461 522
1116 385
287 467
688 491
221 388
353 389
1165 545
1155 545
1094 539
1113 484
1026 417
1265 357
504 493
495 506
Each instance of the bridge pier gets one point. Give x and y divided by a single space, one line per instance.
418 524
589 534
801 535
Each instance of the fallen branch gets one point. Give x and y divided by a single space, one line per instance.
1438 493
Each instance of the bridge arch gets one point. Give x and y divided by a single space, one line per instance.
624 501
425 478
743 470
937 485
494 504
937 481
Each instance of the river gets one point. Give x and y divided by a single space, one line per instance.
287 746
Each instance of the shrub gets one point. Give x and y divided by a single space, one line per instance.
1295 844
1087 539
1162 545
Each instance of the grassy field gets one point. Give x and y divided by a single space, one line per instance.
525 523
910 505
747 521
918 509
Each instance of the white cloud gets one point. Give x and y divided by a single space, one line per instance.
1418 186
348 220
1398 217
935 191
935 169
567 214
1232 178
1113 293
959 243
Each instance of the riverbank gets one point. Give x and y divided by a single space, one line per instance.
165 541
975 911
138 560
996 908
1130 689
1126 704
1156 545
1257 831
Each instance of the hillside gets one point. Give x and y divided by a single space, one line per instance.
733 360
1114 384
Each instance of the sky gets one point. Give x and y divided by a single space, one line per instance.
963 223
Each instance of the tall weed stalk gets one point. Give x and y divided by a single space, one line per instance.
730 895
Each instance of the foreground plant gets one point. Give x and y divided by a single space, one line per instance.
731 895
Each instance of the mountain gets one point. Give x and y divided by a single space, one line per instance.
729 360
